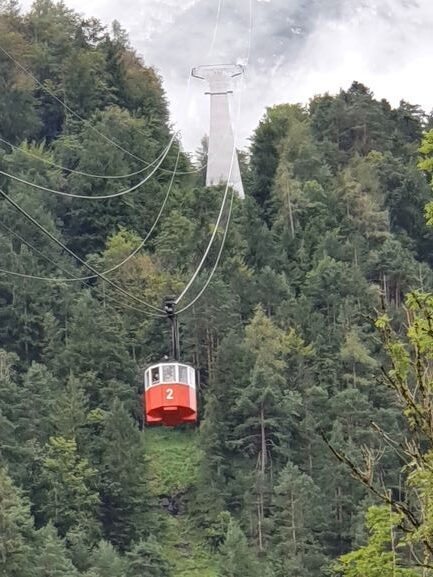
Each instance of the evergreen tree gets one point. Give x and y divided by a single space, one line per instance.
71 408
296 520
16 532
125 501
331 229
147 558
67 495
236 559
52 558
106 562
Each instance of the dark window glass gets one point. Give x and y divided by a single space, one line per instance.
155 375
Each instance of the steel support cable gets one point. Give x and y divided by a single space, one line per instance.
66 107
31 247
113 268
99 176
250 32
79 117
194 276
74 255
215 31
131 307
217 260
211 240
209 246
89 196
27 276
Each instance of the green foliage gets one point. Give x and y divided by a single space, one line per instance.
426 151
16 530
379 557
296 519
70 415
331 229
175 456
106 562
52 559
147 558
265 150
68 495
236 558
125 500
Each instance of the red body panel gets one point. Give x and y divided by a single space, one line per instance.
170 404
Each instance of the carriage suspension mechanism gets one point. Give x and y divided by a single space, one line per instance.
170 310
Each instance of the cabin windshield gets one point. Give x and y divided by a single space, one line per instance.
169 373
183 374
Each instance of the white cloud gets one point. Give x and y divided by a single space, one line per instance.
299 48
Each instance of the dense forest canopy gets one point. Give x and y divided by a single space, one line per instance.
301 340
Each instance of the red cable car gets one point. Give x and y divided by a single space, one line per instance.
170 396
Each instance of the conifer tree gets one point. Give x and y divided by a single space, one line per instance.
147 558
70 410
296 520
106 561
126 506
52 559
16 531
236 559
67 495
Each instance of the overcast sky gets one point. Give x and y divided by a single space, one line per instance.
298 48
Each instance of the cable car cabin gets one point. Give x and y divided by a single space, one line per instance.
170 394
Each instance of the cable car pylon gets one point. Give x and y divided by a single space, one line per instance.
170 396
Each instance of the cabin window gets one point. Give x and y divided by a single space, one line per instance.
191 377
155 375
146 380
169 373
183 374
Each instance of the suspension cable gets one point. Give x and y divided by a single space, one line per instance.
87 122
217 260
113 268
64 247
211 240
89 196
74 255
33 277
214 232
99 176
249 46
209 246
33 248
66 107
215 31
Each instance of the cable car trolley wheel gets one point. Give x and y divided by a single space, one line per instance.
170 396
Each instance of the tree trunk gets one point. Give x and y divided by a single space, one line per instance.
262 472
208 350
292 508
292 223
263 441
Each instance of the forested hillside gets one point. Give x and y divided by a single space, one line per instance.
298 339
